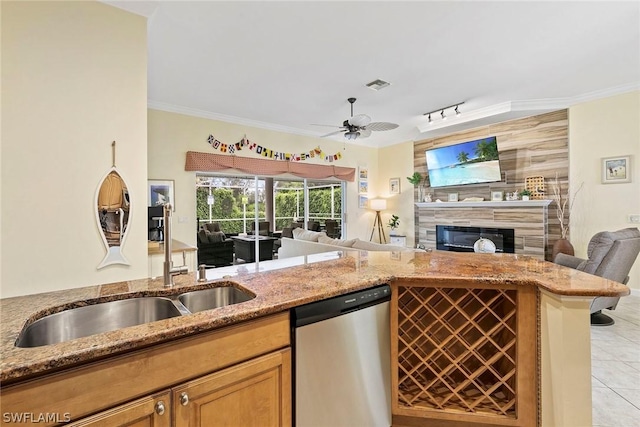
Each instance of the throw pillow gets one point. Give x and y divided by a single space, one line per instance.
336 242
302 234
216 237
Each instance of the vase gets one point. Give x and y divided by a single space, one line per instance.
562 246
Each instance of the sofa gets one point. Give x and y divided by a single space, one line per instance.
214 249
306 242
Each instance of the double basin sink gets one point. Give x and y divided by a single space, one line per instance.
109 316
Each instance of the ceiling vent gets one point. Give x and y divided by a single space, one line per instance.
377 84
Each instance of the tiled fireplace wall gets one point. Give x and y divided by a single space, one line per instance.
532 146
528 220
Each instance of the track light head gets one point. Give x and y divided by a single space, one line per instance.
456 110
429 117
443 116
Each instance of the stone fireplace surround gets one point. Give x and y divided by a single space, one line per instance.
528 219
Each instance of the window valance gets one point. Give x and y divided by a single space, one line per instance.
210 162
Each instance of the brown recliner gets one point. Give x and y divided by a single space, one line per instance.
611 255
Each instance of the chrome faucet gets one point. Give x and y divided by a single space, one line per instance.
169 269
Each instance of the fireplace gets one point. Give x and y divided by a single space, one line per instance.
461 239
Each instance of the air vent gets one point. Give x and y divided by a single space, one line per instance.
377 84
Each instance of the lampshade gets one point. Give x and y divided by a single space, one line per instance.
378 204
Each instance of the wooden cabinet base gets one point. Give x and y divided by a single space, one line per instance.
249 394
464 353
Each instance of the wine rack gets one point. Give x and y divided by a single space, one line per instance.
457 352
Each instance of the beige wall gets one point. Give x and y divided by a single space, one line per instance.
73 79
604 128
171 135
396 161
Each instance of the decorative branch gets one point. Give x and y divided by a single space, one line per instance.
563 205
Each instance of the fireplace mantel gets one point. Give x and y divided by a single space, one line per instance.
487 204
529 220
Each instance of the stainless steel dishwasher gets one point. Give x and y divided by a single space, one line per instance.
342 371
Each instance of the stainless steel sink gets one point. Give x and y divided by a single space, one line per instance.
94 319
206 299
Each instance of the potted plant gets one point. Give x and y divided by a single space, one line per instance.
525 194
416 179
394 223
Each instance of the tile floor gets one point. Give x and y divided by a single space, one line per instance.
615 367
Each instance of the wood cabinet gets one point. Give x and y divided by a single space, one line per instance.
464 353
249 394
151 411
240 371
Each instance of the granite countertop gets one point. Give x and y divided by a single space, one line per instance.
278 285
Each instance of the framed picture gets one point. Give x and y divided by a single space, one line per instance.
160 192
497 196
453 197
394 186
363 173
363 187
616 170
363 201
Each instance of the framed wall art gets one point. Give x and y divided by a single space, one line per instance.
497 196
616 170
394 186
363 201
160 192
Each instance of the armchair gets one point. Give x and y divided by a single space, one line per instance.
213 246
611 256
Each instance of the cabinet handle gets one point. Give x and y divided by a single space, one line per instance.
184 399
160 408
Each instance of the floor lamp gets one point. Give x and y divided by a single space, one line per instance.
378 205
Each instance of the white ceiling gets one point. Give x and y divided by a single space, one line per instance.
288 65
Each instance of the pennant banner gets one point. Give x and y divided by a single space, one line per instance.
271 154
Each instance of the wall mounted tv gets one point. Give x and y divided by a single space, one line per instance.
470 162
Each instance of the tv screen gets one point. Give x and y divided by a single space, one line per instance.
470 162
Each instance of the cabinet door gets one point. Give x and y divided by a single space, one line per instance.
254 393
150 411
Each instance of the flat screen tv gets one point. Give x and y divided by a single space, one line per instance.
470 162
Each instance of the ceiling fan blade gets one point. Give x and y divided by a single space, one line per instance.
365 133
332 133
360 120
379 126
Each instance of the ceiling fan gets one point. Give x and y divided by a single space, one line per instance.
360 126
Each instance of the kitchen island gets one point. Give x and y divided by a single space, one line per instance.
558 333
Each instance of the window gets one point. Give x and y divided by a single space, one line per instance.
231 201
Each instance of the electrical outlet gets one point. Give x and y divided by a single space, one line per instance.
182 219
634 218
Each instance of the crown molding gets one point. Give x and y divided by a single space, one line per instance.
194 112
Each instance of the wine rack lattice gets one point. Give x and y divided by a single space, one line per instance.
457 349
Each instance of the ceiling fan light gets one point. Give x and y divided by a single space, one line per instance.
351 135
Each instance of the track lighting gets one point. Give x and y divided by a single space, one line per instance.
442 110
